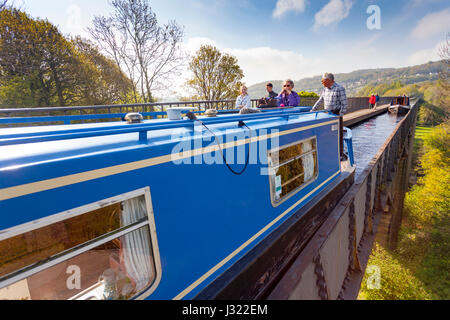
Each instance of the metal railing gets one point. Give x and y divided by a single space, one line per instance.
141 129
71 115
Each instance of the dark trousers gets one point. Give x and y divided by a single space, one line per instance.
341 130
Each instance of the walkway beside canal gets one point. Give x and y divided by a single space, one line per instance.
356 117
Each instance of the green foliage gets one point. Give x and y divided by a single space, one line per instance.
16 93
397 281
428 205
419 267
100 80
307 94
422 132
439 140
438 94
430 115
41 67
34 51
382 89
435 108
411 90
435 271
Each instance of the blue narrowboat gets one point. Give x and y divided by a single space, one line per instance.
158 209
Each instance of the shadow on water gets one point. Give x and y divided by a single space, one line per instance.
370 136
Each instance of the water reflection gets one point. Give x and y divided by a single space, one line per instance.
370 136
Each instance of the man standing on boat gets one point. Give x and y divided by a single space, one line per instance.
334 98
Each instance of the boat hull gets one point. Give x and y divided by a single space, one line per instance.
263 267
206 219
399 110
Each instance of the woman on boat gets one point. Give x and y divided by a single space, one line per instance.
288 97
243 101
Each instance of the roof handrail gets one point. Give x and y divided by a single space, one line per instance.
142 129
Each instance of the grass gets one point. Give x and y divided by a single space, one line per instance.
421 132
434 270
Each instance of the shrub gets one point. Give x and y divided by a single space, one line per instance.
430 115
397 281
439 139
430 198
306 94
419 267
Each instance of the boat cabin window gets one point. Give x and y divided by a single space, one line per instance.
103 254
292 168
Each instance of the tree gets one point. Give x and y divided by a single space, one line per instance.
216 76
148 53
101 81
444 53
35 52
40 67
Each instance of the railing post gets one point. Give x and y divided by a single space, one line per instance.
321 281
143 137
368 223
354 264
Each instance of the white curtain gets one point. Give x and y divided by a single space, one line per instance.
308 161
136 245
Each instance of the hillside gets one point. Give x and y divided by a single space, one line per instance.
357 80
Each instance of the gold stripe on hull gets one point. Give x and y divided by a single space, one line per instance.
246 244
34 187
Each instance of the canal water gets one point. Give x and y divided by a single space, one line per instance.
369 137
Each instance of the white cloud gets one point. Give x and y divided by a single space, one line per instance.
74 23
432 24
194 44
259 64
265 63
426 55
285 6
333 12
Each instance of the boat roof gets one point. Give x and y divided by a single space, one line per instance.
30 145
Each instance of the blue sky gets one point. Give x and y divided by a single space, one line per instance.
286 38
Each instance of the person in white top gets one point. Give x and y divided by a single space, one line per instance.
243 101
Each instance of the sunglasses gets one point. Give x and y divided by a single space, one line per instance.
287 86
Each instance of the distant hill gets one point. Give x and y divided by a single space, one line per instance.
357 80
